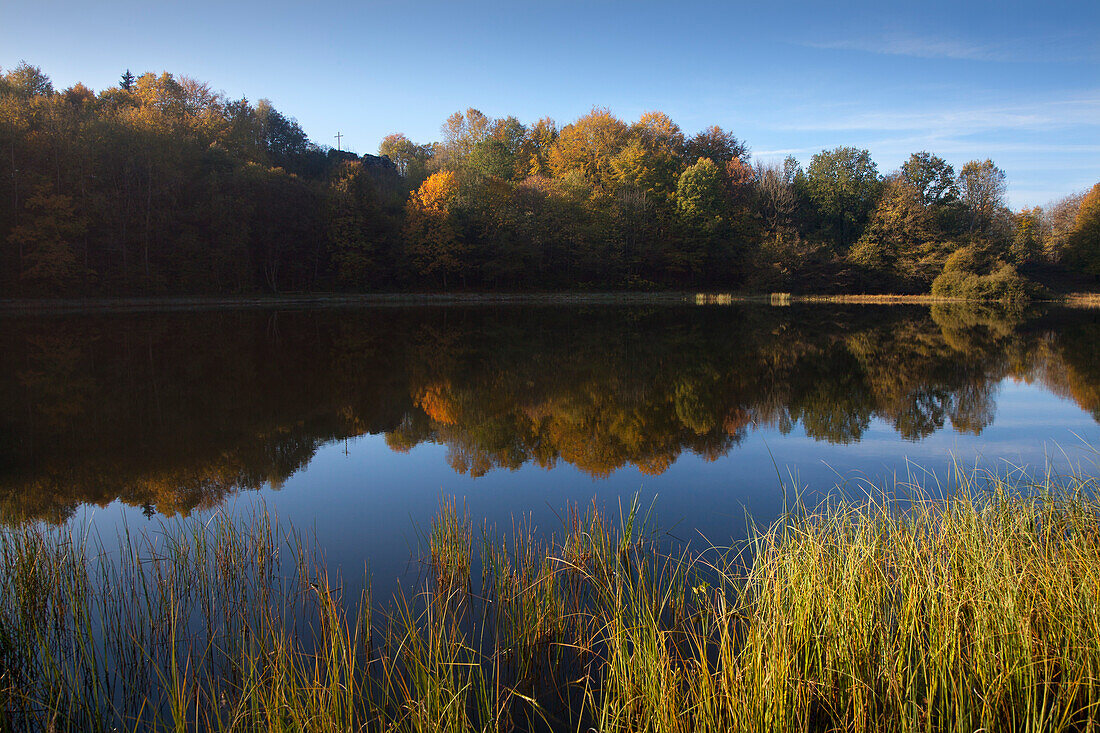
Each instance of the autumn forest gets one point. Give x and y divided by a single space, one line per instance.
161 186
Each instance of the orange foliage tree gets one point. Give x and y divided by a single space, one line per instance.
434 246
1084 242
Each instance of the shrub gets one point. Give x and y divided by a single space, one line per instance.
972 275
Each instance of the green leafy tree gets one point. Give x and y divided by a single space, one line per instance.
703 202
932 177
700 194
844 185
491 157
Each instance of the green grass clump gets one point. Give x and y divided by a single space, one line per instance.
980 611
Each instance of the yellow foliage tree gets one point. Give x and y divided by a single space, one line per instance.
899 240
536 146
433 244
1084 242
588 147
438 192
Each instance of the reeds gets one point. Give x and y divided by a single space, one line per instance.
979 611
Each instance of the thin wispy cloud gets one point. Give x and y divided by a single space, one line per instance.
916 46
1066 47
783 152
1083 111
969 147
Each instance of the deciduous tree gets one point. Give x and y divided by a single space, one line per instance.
47 239
1084 242
982 190
932 176
588 147
433 244
844 184
900 240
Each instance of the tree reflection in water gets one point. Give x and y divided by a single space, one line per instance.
177 411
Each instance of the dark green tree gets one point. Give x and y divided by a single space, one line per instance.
844 185
932 176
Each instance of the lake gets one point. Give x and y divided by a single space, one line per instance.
353 424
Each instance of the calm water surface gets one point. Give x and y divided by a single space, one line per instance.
352 424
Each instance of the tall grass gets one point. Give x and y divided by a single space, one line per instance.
980 611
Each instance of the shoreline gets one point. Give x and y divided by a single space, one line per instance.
605 298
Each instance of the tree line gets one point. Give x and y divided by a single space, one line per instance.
160 185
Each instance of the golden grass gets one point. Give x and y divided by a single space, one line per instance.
976 612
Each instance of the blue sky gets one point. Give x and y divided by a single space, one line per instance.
1016 82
